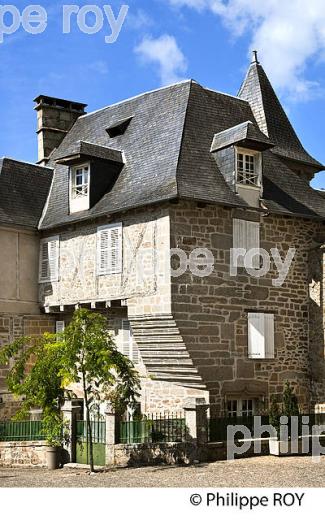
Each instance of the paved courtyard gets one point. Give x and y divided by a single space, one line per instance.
254 472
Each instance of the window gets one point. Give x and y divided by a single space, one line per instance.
249 168
49 260
119 128
241 407
261 336
79 188
246 236
59 326
109 249
127 345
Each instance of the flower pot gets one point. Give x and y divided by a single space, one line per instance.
283 448
53 456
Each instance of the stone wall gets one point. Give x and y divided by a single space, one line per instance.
192 331
143 278
19 254
211 312
154 454
29 454
145 284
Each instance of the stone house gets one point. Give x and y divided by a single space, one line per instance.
203 179
23 192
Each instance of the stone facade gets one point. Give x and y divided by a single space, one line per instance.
192 331
212 312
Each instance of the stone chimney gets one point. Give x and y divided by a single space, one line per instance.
55 117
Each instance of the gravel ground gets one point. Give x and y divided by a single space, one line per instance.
254 472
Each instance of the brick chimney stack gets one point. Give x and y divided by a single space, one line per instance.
55 117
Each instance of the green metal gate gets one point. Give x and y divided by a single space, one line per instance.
98 429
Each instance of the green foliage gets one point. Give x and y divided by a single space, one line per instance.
90 356
289 407
84 353
35 376
275 414
290 402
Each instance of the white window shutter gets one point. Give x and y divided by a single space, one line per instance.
134 347
246 235
239 238
109 249
269 336
49 260
256 336
253 241
54 259
59 326
126 338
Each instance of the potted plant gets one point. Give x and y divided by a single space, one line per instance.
289 409
56 433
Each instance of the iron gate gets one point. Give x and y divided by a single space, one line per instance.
98 429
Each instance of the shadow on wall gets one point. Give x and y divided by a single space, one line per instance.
156 454
317 323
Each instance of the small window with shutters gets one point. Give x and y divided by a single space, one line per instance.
127 344
59 326
109 249
49 260
261 336
246 235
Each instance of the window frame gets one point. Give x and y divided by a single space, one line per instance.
265 328
257 155
81 202
238 410
246 239
51 277
129 347
109 271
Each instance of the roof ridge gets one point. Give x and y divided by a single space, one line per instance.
183 133
136 97
5 158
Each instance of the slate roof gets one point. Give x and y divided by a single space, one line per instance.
167 156
24 189
271 118
246 134
82 149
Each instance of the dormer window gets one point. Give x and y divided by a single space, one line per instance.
79 188
249 168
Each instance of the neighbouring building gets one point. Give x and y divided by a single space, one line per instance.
174 174
23 192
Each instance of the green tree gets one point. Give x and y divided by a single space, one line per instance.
275 414
290 402
84 353
90 357
35 376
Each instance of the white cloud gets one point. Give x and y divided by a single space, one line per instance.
138 20
287 33
165 53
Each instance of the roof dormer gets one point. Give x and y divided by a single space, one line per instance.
93 170
238 154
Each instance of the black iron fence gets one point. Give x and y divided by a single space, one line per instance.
296 426
152 429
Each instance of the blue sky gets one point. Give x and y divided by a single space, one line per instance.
162 41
